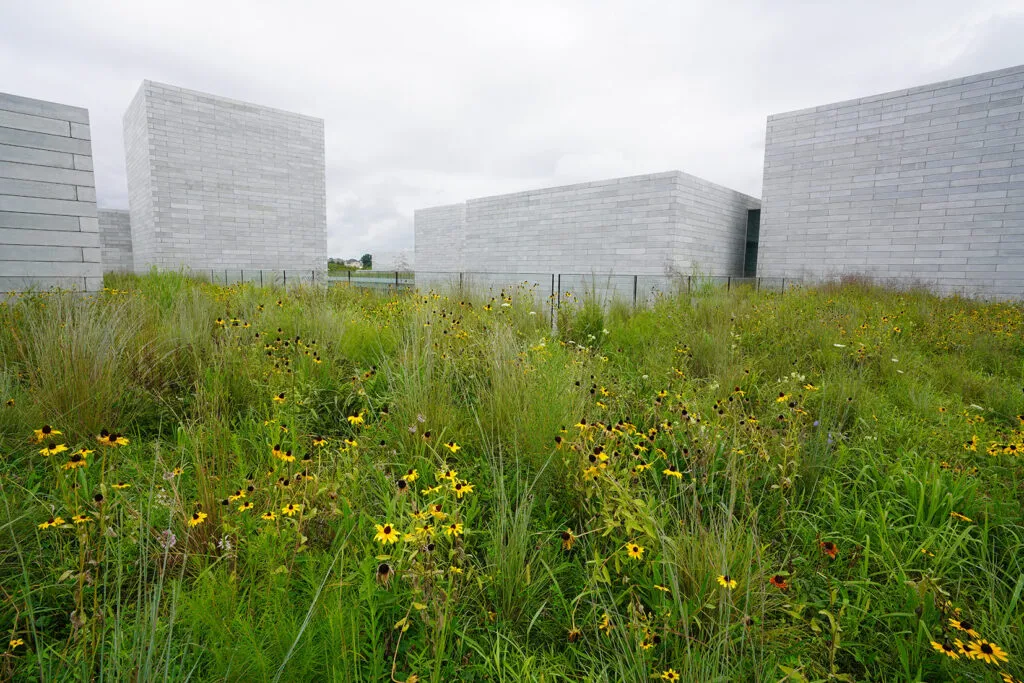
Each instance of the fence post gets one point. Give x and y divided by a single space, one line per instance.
728 283
213 280
634 291
688 283
349 277
396 280
460 284
285 274
551 298
783 284
261 277
558 297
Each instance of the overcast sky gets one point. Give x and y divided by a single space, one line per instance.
429 103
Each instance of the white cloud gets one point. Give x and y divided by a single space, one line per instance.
430 103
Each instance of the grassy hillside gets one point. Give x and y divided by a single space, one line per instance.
234 483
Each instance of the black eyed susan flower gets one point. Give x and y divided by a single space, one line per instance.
15 643
412 475
573 635
965 626
946 648
280 398
319 441
779 581
237 495
568 540
177 472
454 529
988 652
461 488
120 486
111 439
672 471
197 519
971 445
76 460
402 485
670 675
726 581
635 551
245 506
356 419
290 509
453 447
829 548
268 516
43 433
447 475
606 624
52 522
386 534
81 519
10 404
384 573
52 449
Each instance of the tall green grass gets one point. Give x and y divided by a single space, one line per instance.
800 422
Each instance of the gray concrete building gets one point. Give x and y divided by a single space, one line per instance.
116 240
923 185
214 183
652 225
48 227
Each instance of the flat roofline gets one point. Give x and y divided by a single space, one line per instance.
229 100
938 85
607 182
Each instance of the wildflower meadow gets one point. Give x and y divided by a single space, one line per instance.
203 482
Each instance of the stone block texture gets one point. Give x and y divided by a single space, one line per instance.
48 228
400 260
214 183
116 240
642 225
924 185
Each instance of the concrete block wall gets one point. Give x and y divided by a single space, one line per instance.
401 260
640 225
116 240
924 184
440 238
214 183
48 226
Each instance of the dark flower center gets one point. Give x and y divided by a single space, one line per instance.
986 648
46 429
387 530
402 484
566 535
384 569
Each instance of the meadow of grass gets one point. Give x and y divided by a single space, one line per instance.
234 483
